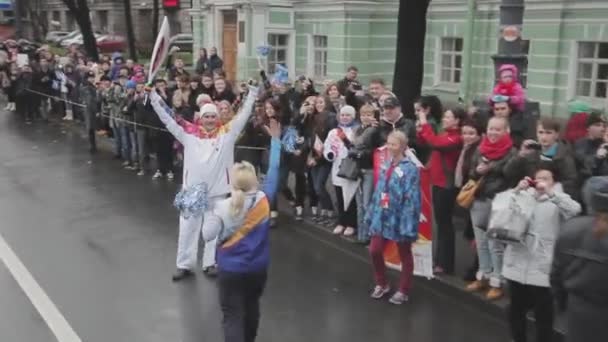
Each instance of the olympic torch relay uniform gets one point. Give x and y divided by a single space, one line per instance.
206 161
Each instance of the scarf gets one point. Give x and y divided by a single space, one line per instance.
550 153
496 150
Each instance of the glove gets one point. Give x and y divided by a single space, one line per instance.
354 154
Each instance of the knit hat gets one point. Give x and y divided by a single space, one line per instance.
595 118
597 193
350 110
131 84
576 106
209 108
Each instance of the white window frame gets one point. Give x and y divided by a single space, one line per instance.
595 61
452 67
321 71
290 56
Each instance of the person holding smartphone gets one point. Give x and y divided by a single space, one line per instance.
547 147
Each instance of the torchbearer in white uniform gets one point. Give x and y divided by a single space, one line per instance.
208 157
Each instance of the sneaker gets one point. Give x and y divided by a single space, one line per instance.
314 211
210 271
8 106
349 231
141 173
181 274
125 164
398 298
380 291
495 293
338 230
299 212
130 167
170 175
477 285
157 175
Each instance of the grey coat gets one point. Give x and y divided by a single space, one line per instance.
89 97
530 263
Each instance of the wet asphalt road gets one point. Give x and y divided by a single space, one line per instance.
101 243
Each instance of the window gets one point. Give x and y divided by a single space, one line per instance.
451 60
102 17
241 31
69 19
320 55
278 50
525 50
56 16
592 70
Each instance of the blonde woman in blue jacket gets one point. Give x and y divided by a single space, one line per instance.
241 225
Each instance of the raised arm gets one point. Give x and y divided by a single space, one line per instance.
240 120
271 183
166 116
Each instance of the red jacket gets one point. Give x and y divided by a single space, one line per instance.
446 147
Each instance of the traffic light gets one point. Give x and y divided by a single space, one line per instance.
171 3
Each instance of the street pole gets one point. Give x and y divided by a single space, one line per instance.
467 57
18 21
510 48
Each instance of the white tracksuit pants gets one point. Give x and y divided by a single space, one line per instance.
190 231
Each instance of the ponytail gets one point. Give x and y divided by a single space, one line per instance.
237 201
244 180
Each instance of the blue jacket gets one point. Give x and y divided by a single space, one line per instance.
244 239
399 221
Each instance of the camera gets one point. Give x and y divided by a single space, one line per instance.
532 183
357 86
534 146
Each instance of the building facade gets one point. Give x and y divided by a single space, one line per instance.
107 16
566 42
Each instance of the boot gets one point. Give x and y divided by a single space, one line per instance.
477 285
495 293
181 274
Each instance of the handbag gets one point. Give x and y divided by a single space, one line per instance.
510 218
349 167
466 196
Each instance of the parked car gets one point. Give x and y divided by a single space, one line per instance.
70 35
111 43
183 41
77 40
55 36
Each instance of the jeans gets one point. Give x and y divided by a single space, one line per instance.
320 174
116 134
490 255
125 143
525 298
313 199
141 146
376 251
364 197
240 295
443 210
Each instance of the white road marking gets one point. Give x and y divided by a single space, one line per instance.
41 301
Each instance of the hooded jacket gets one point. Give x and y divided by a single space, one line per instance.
515 92
530 263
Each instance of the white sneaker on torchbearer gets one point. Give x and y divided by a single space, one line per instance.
398 298
380 291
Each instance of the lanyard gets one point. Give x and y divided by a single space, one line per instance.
389 173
